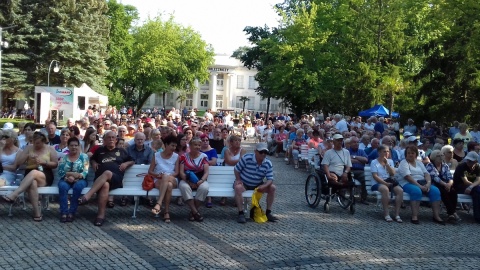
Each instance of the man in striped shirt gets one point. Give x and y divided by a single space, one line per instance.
250 173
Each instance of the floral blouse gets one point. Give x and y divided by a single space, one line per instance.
444 175
79 166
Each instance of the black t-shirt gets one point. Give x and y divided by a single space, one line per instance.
54 140
461 171
110 160
217 145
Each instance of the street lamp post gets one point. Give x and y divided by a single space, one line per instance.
55 69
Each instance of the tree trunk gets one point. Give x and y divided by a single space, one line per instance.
268 108
243 108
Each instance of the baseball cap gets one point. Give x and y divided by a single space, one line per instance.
337 136
472 156
261 147
329 139
132 127
407 134
8 125
412 139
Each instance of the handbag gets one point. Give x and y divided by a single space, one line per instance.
192 177
148 182
392 181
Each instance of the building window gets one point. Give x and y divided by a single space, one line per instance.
170 99
251 103
263 104
238 103
240 81
204 100
273 107
158 99
220 80
252 84
219 101
189 100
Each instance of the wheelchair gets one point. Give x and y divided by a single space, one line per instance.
318 188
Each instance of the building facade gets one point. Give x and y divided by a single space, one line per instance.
228 82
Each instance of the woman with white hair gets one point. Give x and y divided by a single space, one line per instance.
297 144
447 152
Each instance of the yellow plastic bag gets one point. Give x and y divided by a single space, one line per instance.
256 212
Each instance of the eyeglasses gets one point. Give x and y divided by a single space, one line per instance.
205 129
263 152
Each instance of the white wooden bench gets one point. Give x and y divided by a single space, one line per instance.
220 181
462 198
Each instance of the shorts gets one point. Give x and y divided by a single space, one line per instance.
376 186
48 175
116 181
248 187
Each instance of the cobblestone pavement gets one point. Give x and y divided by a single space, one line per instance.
303 238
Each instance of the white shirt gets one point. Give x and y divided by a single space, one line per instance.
341 126
337 160
370 126
381 171
417 172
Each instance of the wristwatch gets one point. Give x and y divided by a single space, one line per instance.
354 157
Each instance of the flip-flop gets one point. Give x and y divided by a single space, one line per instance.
398 219
191 217
38 219
99 222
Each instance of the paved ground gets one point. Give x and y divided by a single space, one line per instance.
304 238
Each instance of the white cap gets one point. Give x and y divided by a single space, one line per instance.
407 134
337 136
472 156
8 125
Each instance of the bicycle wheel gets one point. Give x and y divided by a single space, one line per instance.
345 197
312 190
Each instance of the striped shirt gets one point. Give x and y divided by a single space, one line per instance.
251 173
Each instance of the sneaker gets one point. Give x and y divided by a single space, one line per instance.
271 217
241 218
286 159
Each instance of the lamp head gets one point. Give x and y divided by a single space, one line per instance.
56 68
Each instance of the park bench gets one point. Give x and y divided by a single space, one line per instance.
462 198
220 181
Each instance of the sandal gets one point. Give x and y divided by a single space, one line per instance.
99 222
223 201
156 211
63 218
166 217
398 219
388 219
191 217
38 219
198 217
180 201
82 200
70 217
209 205
110 204
123 201
8 200
151 202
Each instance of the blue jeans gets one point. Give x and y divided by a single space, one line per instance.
416 193
63 188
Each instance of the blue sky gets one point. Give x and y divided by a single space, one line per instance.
219 22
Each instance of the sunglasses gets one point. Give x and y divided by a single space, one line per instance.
263 152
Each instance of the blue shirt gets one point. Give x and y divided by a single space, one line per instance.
251 173
453 131
360 153
143 156
379 127
445 175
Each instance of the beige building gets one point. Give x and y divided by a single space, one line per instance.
229 80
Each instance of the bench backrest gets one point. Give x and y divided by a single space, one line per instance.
219 176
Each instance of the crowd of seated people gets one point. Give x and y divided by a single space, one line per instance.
418 161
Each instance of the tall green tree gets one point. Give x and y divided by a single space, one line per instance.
120 46
167 56
15 79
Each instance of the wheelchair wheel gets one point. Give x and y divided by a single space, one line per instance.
312 191
346 198
326 207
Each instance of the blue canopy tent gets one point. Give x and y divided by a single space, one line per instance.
378 110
